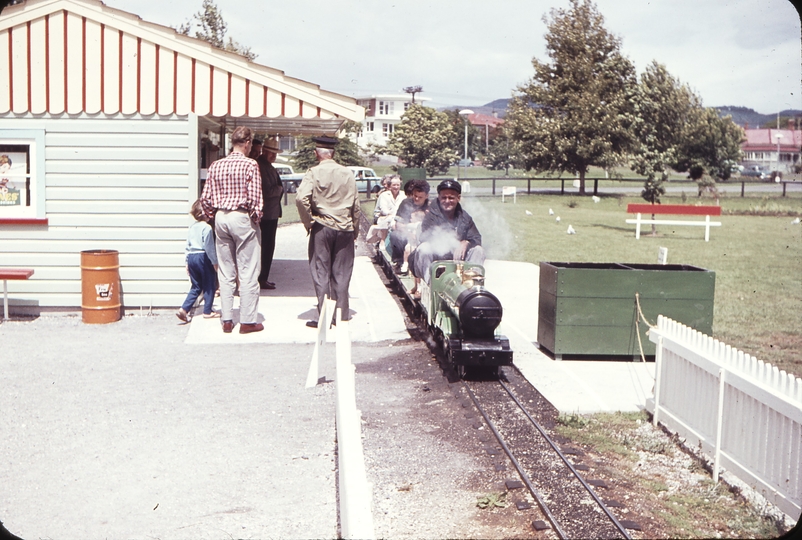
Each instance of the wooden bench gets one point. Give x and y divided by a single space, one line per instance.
12 273
677 210
506 191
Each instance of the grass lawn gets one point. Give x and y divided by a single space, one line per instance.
757 258
756 255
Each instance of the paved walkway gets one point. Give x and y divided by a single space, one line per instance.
145 428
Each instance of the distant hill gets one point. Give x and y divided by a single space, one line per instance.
742 116
498 107
748 117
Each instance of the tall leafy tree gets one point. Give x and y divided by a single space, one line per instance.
503 153
577 110
664 107
422 139
457 136
212 28
710 145
345 153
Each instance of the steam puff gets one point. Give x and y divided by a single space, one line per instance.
497 236
443 241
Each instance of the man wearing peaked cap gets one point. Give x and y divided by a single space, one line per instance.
325 142
450 184
272 190
328 204
447 232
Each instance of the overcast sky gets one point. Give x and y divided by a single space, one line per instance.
470 52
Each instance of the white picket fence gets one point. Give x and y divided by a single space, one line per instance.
744 414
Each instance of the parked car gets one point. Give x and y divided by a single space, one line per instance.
755 171
365 176
290 178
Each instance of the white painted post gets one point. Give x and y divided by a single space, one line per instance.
637 227
707 228
719 423
356 516
658 366
662 255
313 374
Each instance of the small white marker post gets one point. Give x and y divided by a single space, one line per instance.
322 325
662 255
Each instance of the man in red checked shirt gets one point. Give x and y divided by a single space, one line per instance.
233 197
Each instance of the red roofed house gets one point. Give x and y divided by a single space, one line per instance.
763 146
107 124
487 122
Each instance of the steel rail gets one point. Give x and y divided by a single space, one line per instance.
578 476
541 503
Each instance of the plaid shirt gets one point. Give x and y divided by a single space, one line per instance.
233 183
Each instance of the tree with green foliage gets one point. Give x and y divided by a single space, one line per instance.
503 153
709 145
212 29
663 109
577 110
457 137
422 139
345 153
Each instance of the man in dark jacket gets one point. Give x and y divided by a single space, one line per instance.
447 232
272 190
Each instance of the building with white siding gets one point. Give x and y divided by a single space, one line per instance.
382 113
107 124
773 149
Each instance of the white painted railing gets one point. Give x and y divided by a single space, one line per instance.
355 492
744 414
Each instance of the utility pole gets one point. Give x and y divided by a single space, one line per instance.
413 90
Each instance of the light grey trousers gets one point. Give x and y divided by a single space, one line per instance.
239 254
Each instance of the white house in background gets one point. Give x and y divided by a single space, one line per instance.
107 123
382 113
773 149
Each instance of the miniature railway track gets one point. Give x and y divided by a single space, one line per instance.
566 499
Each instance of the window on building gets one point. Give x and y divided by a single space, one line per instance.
387 129
369 127
21 175
386 107
407 105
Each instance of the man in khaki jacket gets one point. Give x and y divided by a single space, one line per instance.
328 204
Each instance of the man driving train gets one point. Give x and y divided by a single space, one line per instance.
447 232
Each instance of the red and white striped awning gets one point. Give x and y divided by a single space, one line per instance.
81 56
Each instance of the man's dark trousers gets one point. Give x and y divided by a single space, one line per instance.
331 260
268 227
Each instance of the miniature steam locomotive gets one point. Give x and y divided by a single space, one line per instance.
464 317
460 314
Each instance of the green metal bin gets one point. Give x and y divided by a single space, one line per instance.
411 173
590 309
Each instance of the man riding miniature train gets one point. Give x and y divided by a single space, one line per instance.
447 233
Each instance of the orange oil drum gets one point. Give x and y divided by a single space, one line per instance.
100 286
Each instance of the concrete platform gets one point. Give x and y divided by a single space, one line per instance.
285 310
583 386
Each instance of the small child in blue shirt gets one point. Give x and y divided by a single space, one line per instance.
201 260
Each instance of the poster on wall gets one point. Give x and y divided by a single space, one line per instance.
13 173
